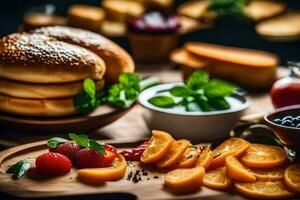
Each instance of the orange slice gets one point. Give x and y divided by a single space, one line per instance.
270 174
264 190
292 177
185 180
263 156
101 175
205 158
217 179
158 145
189 158
174 154
233 147
237 171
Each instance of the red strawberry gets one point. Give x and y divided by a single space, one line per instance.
111 148
52 164
69 149
87 158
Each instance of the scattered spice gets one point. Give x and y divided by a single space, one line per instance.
155 177
136 176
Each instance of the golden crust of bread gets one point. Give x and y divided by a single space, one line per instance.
85 16
259 10
247 76
42 91
232 55
37 108
285 27
116 59
37 58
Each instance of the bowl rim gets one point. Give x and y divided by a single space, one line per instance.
275 111
143 101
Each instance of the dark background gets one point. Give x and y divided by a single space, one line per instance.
227 31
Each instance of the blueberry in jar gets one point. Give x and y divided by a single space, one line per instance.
287 123
290 118
277 121
296 121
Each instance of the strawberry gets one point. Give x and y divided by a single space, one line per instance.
68 149
111 148
88 158
52 164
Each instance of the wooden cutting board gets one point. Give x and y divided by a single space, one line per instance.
150 187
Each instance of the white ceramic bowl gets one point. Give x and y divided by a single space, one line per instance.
195 126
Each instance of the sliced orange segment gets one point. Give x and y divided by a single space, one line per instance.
205 158
270 174
185 180
233 147
101 175
292 177
264 190
158 145
217 179
174 154
263 156
189 158
237 171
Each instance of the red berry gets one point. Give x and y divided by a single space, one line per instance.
68 149
111 148
87 158
52 164
127 154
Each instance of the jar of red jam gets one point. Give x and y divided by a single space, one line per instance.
286 91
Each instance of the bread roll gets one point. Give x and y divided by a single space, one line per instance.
84 16
259 10
283 28
122 10
42 91
226 54
37 108
37 58
249 68
116 59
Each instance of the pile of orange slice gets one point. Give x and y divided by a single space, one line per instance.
254 170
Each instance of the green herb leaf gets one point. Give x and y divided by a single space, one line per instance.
197 80
218 88
89 87
193 107
19 169
181 91
55 142
229 7
203 103
219 103
83 141
126 92
162 101
96 146
83 103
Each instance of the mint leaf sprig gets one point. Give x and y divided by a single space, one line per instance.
122 94
19 169
82 140
199 93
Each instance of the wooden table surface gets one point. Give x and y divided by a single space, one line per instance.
131 126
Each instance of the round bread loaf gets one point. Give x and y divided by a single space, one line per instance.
38 58
42 91
116 59
37 108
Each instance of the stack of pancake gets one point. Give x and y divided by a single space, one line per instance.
42 71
